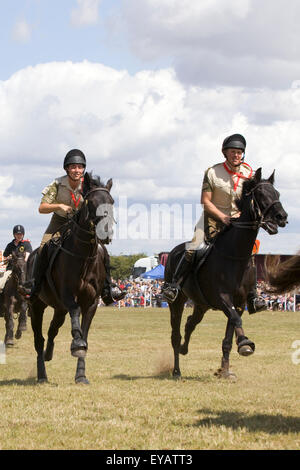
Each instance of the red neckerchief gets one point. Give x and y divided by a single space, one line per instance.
238 175
76 201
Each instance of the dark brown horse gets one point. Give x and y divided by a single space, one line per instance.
75 276
285 276
222 282
12 302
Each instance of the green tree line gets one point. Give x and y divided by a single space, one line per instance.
122 265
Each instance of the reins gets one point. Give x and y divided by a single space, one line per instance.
251 225
92 233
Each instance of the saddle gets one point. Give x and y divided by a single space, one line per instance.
201 255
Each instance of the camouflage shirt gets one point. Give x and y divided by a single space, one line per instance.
60 192
225 186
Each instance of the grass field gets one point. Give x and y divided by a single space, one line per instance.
132 401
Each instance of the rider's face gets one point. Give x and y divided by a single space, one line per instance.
234 156
18 237
75 171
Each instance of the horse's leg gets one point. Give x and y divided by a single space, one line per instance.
78 345
245 345
22 323
191 323
56 322
36 315
224 371
176 310
9 324
87 318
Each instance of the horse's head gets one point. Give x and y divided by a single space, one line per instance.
98 205
19 265
265 206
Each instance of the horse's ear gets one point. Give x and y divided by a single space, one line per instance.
86 183
272 177
109 184
257 176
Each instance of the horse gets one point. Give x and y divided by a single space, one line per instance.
282 277
223 280
12 300
75 275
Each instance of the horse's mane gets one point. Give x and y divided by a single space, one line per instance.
248 185
91 181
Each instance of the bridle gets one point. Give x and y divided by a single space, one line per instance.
259 214
93 237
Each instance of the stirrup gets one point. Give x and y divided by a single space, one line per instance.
112 293
256 304
170 293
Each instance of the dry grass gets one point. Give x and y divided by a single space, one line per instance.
133 401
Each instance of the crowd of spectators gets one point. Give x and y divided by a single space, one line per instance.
147 293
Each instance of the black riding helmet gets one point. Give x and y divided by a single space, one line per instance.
235 141
18 229
74 156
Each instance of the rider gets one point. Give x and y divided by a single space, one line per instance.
222 185
62 197
17 244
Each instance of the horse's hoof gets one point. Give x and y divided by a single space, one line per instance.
79 353
42 381
78 348
9 343
245 350
18 334
246 347
225 374
48 353
176 374
183 350
82 380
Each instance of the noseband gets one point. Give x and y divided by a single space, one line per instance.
92 233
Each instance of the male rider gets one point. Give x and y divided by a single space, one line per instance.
222 185
17 244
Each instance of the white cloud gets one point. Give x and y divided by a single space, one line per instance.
85 13
152 134
228 42
22 31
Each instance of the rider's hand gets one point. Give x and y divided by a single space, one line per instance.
65 208
225 219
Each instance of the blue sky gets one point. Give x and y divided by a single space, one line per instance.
148 89
53 37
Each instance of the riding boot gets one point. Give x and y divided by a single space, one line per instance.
255 303
170 291
31 288
110 292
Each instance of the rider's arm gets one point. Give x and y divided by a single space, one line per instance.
48 203
211 209
47 208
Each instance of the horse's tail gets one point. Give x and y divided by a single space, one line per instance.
282 277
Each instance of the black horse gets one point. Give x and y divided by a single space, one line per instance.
285 276
75 275
12 303
222 282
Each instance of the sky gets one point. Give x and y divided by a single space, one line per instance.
148 90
